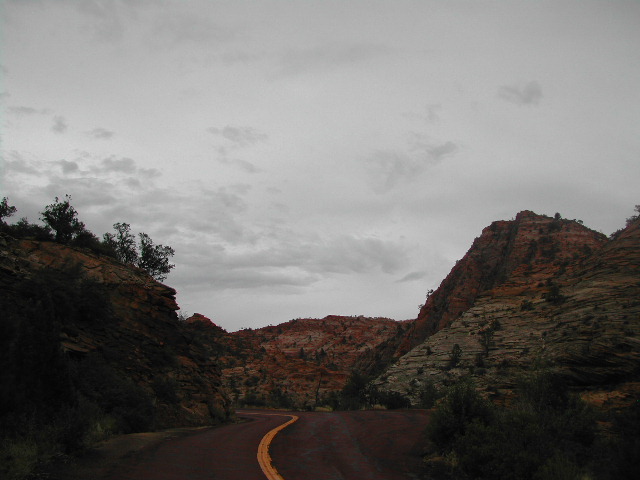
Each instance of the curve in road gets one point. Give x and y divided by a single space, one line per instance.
264 459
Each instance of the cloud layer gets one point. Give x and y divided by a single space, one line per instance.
307 158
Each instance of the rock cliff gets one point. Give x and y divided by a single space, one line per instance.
301 362
534 291
533 244
126 325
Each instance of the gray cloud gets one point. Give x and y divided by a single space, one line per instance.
413 276
68 167
240 57
186 27
242 164
59 124
347 254
20 110
343 254
124 165
224 158
105 17
16 163
239 136
328 56
431 114
101 133
387 168
527 94
241 279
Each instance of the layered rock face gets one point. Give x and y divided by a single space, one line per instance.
531 243
562 297
301 362
138 335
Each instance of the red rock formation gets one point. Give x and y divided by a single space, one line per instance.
533 244
303 361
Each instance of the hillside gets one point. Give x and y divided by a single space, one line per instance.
563 297
82 331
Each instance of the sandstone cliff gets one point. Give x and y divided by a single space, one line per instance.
125 325
549 292
301 362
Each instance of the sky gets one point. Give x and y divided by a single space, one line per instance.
308 158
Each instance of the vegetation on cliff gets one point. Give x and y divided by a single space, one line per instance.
61 224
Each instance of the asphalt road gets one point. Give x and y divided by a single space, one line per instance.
360 445
366 445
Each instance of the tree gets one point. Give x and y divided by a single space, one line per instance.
633 218
454 356
355 394
62 218
6 210
123 243
154 258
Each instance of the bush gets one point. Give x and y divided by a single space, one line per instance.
454 356
547 433
355 395
429 394
461 406
18 458
62 218
166 389
23 229
393 400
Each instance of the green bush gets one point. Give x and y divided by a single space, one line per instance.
18 458
393 400
461 406
429 394
546 434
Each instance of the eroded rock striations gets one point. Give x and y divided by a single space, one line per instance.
533 292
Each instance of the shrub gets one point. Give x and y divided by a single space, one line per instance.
454 356
394 400
461 406
18 458
166 389
547 433
428 395
355 394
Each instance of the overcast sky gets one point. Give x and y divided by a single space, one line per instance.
307 158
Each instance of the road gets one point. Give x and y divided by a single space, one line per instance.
363 445
360 445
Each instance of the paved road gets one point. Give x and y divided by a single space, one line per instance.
370 445
362 445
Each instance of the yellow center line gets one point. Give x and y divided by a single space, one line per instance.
264 459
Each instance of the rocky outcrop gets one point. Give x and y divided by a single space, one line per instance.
537 244
301 362
135 331
562 297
